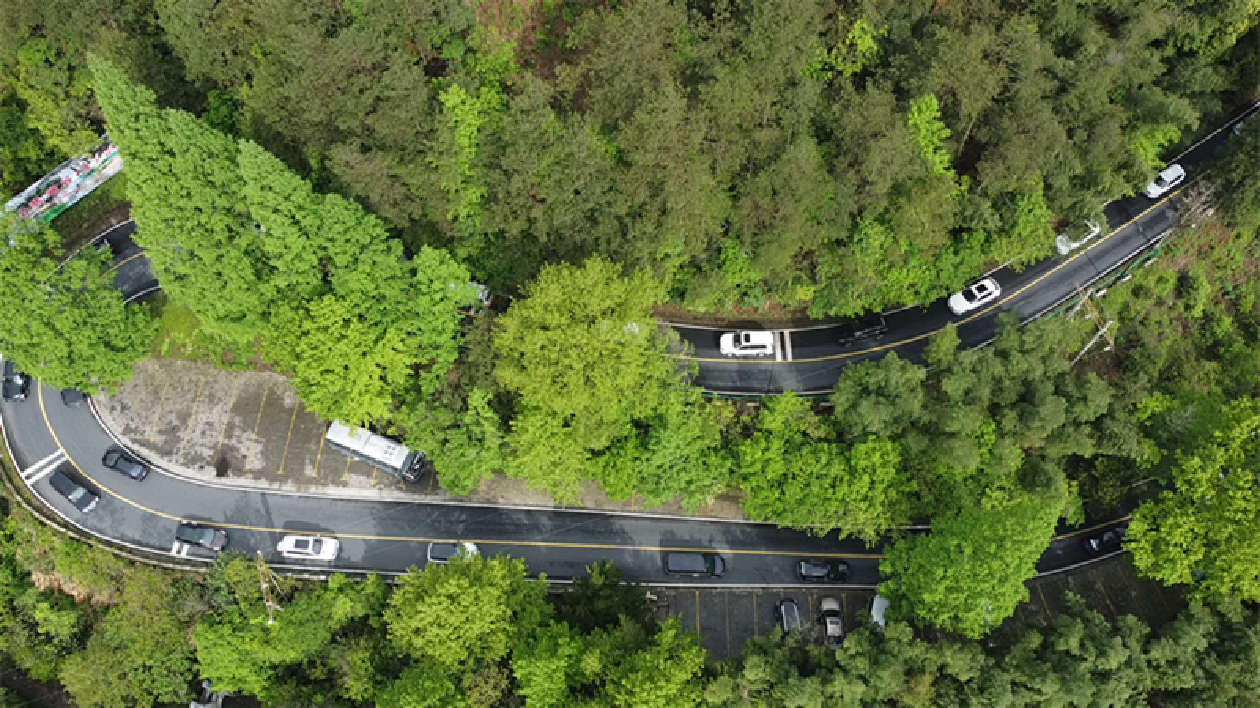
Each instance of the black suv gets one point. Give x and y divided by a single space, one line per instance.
119 461
868 327
16 384
75 493
204 536
820 570
695 564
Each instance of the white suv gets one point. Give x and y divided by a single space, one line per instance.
833 622
1170 177
747 343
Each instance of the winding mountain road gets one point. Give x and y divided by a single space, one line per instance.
391 536
811 358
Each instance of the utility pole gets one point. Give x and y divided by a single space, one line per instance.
265 578
1087 302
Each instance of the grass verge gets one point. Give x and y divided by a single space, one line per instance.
181 336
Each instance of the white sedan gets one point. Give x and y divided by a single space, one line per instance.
979 293
308 548
1170 177
747 343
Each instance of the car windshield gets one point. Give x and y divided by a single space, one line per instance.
1160 181
316 546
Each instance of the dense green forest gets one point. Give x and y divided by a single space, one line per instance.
317 186
477 633
800 152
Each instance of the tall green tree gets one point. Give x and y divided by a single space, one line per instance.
352 315
968 574
240 650
796 474
23 154
1206 530
186 197
430 616
1238 187
140 654
70 326
589 363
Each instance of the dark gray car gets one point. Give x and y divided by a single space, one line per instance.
788 614
204 536
72 397
120 461
695 564
868 327
77 494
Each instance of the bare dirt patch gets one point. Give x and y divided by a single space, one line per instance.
59 583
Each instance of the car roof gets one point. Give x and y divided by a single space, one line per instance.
757 336
61 481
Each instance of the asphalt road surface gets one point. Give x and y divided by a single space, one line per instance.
810 360
390 536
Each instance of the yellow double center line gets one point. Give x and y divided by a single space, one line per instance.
421 539
973 316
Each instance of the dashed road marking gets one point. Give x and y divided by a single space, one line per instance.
1001 301
41 469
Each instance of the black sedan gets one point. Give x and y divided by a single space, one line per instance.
1104 543
120 461
818 570
204 536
